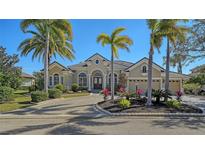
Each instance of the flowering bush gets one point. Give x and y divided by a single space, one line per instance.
105 92
122 91
139 92
179 95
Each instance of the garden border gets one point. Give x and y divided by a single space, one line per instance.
150 114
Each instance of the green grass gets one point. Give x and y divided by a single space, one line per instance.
75 95
21 100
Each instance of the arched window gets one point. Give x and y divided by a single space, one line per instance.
50 80
56 79
144 69
82 80
115 79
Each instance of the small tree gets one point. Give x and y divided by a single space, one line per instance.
10 75
39 81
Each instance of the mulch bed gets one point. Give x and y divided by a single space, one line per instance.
138 106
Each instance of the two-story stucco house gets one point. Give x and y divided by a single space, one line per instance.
94 74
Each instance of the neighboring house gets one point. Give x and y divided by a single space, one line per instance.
27 80
197 70
94 74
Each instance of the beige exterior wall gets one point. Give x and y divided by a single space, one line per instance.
134 75
67 76
174 85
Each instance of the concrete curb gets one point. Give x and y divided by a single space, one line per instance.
150 114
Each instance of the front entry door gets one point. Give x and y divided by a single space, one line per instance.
97 83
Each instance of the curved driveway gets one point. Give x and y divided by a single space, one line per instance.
77 116
70 106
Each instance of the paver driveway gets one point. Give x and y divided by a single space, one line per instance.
79 117
72 106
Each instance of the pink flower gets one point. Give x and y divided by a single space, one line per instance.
105 92
179 93
121 90
139 92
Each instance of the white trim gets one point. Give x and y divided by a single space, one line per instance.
114 77
78 77
98 69
145 61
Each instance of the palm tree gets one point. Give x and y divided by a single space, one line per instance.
155 42
49 38
173 32
116 42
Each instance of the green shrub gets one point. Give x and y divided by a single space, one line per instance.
83 88
174 104
38 96
60 87
54 93
124 103
6 93
191 88
74 87
31 88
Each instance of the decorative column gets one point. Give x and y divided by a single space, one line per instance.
161 83
181 87
104 81
89 82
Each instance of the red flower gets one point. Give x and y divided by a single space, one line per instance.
179 93
105 92
139 92
121 90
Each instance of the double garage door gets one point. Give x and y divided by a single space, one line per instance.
174 85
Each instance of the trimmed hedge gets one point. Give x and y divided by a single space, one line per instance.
6 93
54 93
60 87
74 87
38 96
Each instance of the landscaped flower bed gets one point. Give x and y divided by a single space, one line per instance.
138 106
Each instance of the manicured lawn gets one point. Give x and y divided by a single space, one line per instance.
75 95
21 100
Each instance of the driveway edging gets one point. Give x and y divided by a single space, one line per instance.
149 114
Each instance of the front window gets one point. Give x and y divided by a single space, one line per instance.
82 80
50 80
144 69
97 62
56 79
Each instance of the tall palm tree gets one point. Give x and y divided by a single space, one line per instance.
155 42
49 38
116 42
173 32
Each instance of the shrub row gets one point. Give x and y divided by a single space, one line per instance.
6 93
38 96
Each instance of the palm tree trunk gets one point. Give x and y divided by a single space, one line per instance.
167 71
149 84
180 67
46 64
112 76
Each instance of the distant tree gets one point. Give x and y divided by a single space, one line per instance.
10 75
39 80
178 57
198 79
